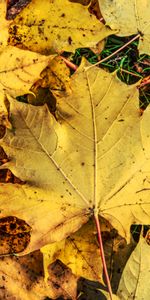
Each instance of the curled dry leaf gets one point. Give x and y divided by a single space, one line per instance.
135 280
92 159
59 26
56 77
129 17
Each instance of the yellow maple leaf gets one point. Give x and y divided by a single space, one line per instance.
77 166
60 25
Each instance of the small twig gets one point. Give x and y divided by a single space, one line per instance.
114 53
102 255
69 63
128 72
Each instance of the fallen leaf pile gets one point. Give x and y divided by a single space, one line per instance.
79 147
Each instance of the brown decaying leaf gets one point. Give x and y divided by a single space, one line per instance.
23 279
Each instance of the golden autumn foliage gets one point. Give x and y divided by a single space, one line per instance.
83 156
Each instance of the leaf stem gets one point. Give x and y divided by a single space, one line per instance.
114 53
69 63
102 255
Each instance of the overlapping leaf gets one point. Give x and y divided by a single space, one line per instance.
60 25
80 252
135 282
19 69
22 279
129 17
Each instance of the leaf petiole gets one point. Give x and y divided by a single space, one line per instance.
103 255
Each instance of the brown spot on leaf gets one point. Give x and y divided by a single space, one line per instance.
69 40
14 235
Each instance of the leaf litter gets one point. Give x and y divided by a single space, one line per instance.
105 200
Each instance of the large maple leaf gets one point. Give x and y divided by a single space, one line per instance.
93 159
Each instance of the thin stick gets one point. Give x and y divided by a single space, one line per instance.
114 53
69 63
102 255
128 72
